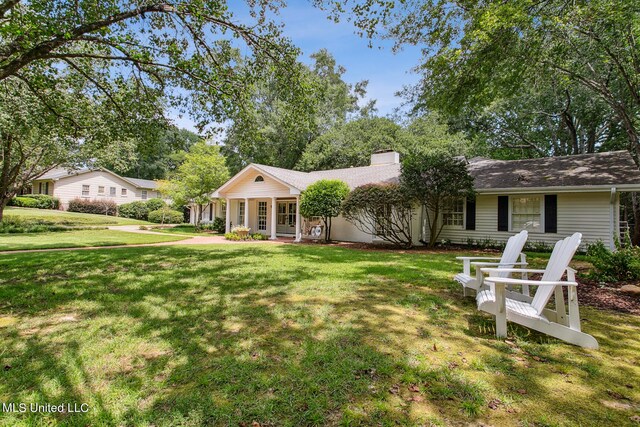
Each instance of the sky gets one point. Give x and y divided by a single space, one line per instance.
310 30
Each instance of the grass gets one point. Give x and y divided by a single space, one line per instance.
290 335
56 217
78 238
182 229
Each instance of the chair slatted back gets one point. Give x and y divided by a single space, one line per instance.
512 251
560 258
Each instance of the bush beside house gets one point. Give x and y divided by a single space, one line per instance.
38 201
140 210
165 216
98 207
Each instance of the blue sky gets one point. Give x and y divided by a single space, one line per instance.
310 30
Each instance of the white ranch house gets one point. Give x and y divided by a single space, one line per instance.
93 184
549 197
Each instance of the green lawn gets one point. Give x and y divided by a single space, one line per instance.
181 229
79 238
68 218
290 335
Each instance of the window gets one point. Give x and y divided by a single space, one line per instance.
123 192
526 213
282 213
144 194
453 212
224 209
383 223
241 213
85 191
101 189
112 191
259 178
292 214
262 216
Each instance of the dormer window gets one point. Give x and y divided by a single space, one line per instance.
259 178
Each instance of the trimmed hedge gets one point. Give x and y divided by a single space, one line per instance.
38 201
99 207
134 210
140 210
166 216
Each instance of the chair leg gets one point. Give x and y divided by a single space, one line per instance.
501 312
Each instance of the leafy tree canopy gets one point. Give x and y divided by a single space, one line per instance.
277 131
324 199
202 172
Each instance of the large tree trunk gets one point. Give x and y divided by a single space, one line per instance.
635 233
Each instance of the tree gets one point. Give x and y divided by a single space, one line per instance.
158 158
324 198
382 210
95 80
351 144
432 180
276 131
202 172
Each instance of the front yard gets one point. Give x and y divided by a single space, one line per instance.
290 335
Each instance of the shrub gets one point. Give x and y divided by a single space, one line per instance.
620 265
15 224
258 236
384 210
134 210
324 199
166 216
155 204
99 207
24 202
39 201
232 236
219 225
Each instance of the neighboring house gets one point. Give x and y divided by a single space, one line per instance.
550 197
93 184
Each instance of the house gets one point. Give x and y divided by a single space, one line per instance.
550 197
93 184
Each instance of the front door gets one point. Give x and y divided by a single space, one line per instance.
286 218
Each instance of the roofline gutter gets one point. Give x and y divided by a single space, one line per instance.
561 189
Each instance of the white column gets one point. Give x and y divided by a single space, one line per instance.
246 212
227 226
298 234
274 217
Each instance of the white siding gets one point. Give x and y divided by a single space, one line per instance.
587 213
245 186
69 188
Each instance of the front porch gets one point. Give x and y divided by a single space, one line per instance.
271 216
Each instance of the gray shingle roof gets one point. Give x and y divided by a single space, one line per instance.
599 169
59 173
353 177
613 168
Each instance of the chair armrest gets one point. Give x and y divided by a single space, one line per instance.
510 281
477 257
497 264
511 270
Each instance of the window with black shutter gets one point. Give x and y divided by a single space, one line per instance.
503 213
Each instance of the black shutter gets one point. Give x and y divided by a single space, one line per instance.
503 213
210 211
471 214
550 213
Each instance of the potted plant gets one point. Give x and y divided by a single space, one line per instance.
241 231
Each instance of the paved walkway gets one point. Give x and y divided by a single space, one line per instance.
189 240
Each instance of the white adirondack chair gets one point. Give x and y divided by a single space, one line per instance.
509 259
533 312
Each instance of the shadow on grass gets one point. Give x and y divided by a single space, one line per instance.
280 335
